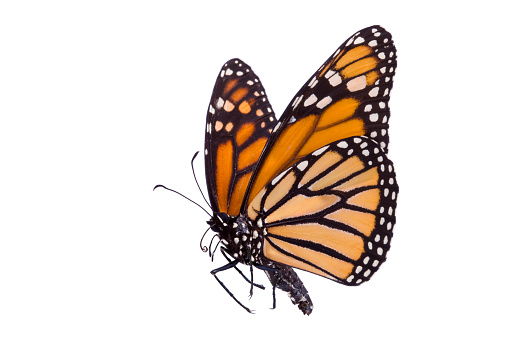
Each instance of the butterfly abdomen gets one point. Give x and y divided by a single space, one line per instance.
287 280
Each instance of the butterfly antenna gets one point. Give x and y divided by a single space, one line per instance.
194 175
194 202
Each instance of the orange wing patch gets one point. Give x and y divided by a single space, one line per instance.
351 56
239 94
336 267
245 107
345 169
336 132
228 86
277 255
287 145
249 156
366 199
223 175
367 178
361 221
302 205
283 188
238 193
351 245
337 112
245 131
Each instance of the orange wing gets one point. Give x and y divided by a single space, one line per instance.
332 213
348 96
239 122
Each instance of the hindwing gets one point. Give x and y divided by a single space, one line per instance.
332 213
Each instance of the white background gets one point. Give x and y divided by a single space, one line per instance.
102 100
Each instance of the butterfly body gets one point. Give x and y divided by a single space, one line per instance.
314 190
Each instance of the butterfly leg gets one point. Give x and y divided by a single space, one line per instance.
261 267
274 293
223 268
239 271
274 269
252 282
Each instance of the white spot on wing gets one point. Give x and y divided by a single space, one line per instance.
302 166
359 40
373 92
313 82
219 103
329 73
324 102
320 150
356 84
310 100
335 80
276 179
297 101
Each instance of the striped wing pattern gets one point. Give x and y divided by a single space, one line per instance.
347 96
239 122
332 213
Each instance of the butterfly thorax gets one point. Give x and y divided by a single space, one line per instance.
241 239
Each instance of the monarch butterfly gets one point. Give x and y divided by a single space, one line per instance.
314 190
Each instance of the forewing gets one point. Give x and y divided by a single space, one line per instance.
332 213
348 96
239 122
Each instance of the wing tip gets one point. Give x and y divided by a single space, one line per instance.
236 63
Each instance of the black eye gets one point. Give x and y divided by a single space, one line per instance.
223 217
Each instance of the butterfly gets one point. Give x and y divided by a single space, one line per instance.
315 189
